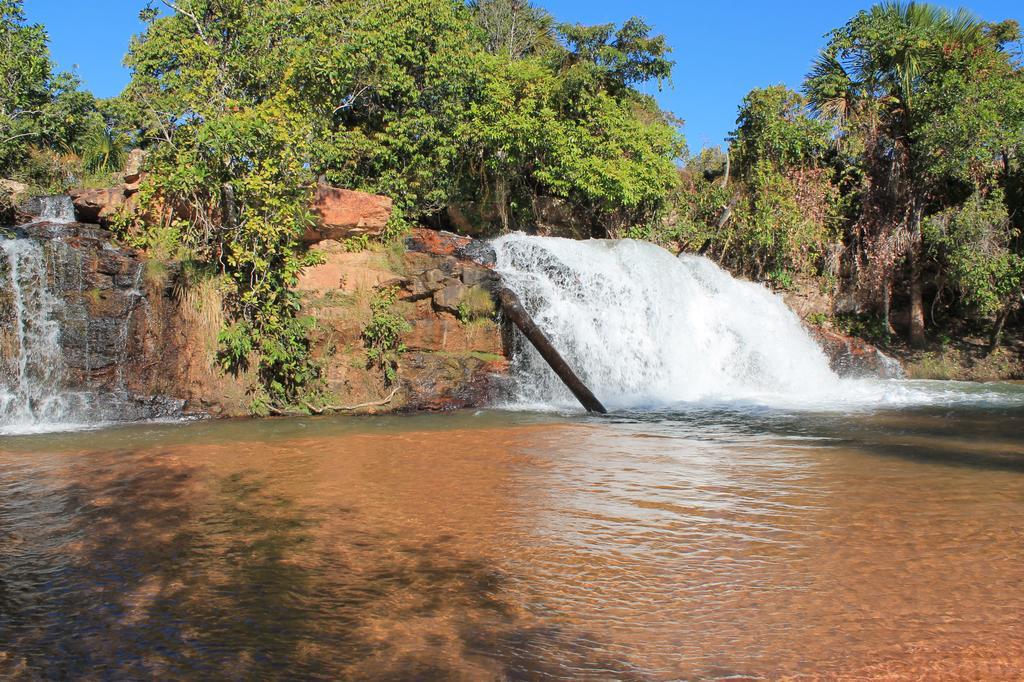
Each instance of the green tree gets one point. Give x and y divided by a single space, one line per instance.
976 244
39 109
514 28
615 58
567 122
230 168
870 80
784 218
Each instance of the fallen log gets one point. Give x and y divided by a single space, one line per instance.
512 307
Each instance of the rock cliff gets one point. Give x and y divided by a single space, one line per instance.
138 328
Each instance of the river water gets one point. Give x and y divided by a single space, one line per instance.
707 543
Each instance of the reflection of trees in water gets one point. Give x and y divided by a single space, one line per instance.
137 567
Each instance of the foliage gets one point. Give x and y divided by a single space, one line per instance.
538 130
103 145
356 244
383 333
975 243
867 326
615 58
773 127
41 112
768 207
514 29
385 87
870 81
231 175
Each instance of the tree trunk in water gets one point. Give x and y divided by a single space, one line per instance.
517 313
915 256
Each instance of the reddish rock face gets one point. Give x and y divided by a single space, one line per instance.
454 344
439 332
98 205
343 213
435 242
344 271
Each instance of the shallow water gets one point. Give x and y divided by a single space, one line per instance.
716 542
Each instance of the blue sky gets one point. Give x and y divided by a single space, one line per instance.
722 49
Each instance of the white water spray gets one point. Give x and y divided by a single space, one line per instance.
29 392
41 388
56 209
647 330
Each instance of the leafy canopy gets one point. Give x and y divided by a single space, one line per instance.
39 109
246 104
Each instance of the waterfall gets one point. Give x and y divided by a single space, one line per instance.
56 209
645 329
29 392
65 341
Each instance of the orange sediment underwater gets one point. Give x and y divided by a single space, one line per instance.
489 546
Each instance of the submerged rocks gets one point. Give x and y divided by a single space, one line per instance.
849 356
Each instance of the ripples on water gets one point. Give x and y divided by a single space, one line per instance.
717 542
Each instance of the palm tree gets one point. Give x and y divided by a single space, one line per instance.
866 81
103 149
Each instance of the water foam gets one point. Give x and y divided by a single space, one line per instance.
647 330
29 391
56 209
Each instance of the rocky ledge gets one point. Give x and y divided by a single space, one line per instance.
454 352
134 327
853 357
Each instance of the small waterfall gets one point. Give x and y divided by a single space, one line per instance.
645 329
31 393
68 308
56 209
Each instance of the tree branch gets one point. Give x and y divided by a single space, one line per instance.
195 20
349 408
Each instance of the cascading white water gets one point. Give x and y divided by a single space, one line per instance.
50 339
56 209
30 393
645 329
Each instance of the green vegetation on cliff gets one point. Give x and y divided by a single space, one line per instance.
897 178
